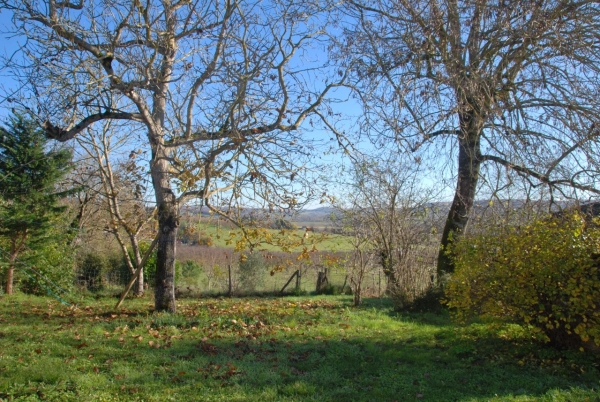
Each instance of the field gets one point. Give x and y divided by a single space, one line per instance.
273 349
221 237
324 242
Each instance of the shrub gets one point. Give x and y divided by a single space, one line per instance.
545 275
188 273
149 267
90 271
330 290
429 301
193 236
252 272
55 263
117 271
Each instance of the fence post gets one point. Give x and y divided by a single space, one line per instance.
289 280
298 280
230 293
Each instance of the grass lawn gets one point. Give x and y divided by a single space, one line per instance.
221 237
292 349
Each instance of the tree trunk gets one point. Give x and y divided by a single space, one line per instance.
168 221
10 272
136 263
469 164
15 248
357 291
140 284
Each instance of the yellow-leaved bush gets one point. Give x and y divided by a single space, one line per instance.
545 274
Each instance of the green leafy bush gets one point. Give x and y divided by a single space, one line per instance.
117 271
54 265
149 267
545 275
90 271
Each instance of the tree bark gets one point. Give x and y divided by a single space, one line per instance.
168 221
469 163
140 284
15 248
10 272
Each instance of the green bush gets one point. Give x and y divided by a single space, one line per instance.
545 275
54 262
188 273
331 290
117 271
252 272
91 270
149 267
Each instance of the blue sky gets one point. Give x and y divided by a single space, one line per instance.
349 109
8 46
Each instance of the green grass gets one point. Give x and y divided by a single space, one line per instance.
330 242
292 349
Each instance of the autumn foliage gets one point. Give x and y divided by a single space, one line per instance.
545 275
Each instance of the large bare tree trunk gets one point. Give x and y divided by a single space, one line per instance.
469 163
168 221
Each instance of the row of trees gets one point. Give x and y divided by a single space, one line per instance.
487 92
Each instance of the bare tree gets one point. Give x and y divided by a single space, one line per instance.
221 89
122 191
362 259
389 212
510 84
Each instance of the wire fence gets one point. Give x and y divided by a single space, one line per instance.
205 271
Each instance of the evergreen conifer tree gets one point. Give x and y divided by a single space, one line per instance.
29 202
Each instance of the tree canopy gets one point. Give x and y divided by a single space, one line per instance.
220 88
503 85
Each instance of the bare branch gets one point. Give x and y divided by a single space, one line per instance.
63 135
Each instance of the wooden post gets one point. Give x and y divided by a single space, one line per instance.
230 293
289 280
137 272
298 279
322 282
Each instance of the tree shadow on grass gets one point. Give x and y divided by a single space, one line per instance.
350 357
351 369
